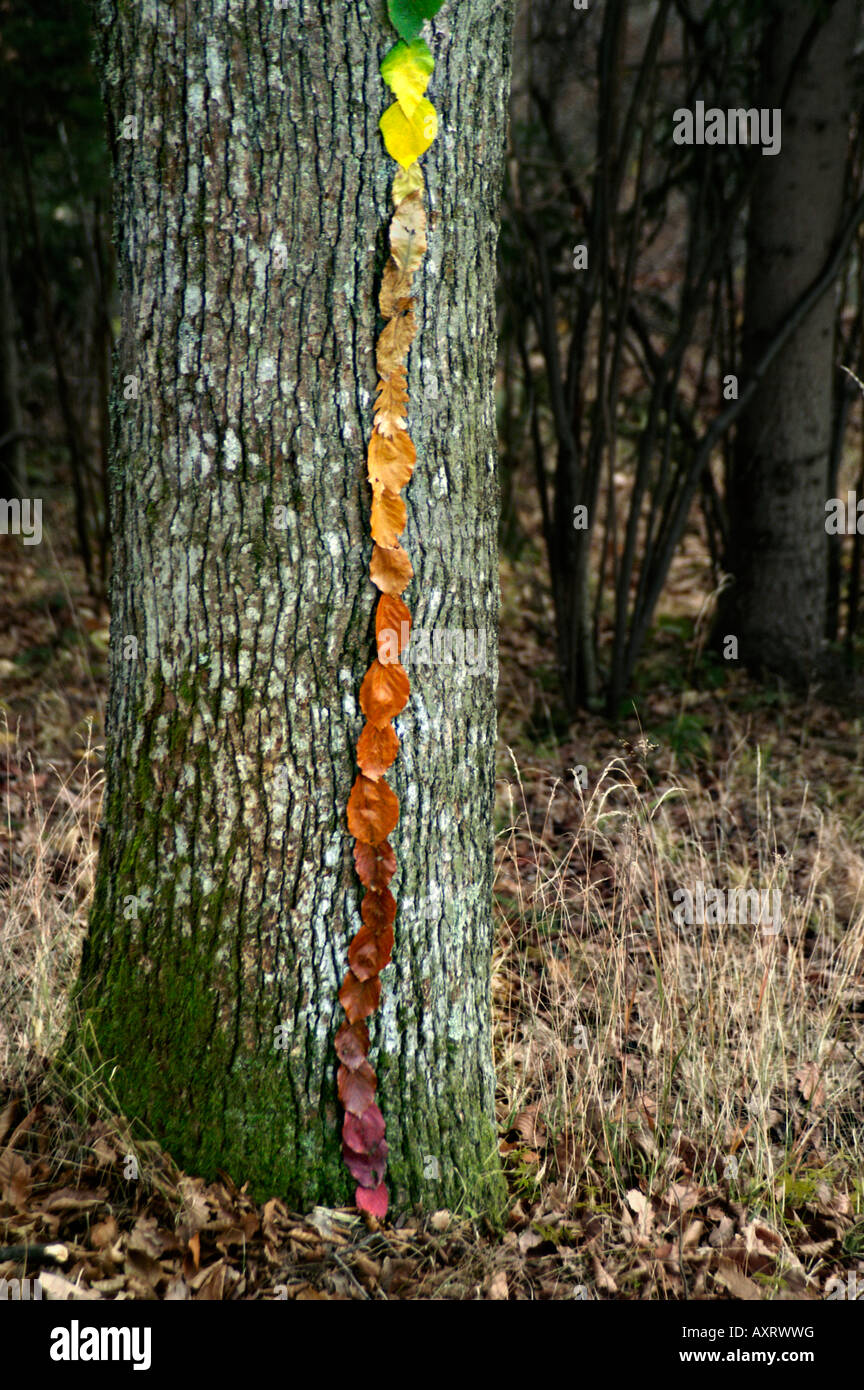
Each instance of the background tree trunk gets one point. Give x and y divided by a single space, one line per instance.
251 203
777 491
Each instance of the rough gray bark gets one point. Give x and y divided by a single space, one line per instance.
777 490
251 209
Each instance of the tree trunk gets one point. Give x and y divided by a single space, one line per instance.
251 205
778 548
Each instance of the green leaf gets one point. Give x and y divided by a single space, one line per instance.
407 16
406 69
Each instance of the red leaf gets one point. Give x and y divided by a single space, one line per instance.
376 864
356 1088
372 1199
359 998
367 1168
378 910
365 1132
352 1044
369 951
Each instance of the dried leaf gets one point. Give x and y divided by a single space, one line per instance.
359 998
392 393
406 181
373 810
396 338
408 233
395 293
809 1080
369 951
352 1044
389 515
390 570
378 909
376 750
376 864
390 462
356 1087
392 627
384 692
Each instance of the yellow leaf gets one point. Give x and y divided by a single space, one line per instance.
407 69
406 139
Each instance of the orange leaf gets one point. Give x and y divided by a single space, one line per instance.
392 627
378 910
389 515
395 289
384 692
391 570
373 810
352 1044
376 864
369 952
356 1088
376 750
390 462
359 998
395 340
392 396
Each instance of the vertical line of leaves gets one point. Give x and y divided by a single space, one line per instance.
408 128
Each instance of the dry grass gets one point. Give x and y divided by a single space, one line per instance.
637 1053
46 878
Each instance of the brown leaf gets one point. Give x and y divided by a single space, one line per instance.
392 396
359 998
395 340
392 627
356 1088
352 1044
390 462
15 1180
408 232
373 810
369 951
390 570
395 288
378 909
809 1080
375 864
376 750
384 692
389 515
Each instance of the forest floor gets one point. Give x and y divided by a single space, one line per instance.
681 1108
